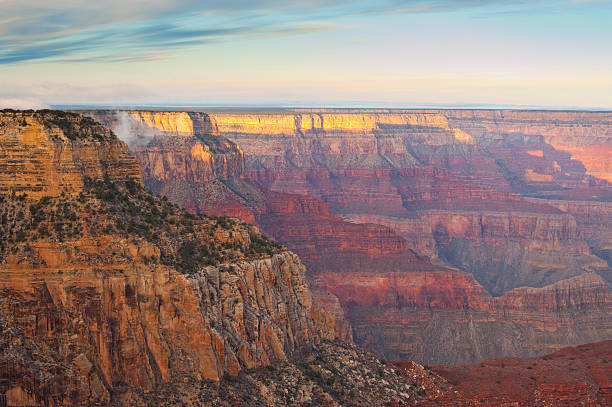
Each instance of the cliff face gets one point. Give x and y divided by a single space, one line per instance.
139 326
585 138
107 290
47 154
379 205
449 318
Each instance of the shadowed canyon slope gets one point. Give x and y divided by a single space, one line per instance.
417 229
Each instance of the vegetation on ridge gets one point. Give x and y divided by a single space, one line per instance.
73 125
185 241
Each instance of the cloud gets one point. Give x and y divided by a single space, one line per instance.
119 30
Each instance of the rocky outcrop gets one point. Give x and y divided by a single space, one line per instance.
584 291
106 289
139 326
47 153
332 374
572 376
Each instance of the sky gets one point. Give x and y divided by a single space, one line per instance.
335 53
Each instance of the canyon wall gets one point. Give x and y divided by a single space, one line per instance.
586 137
419 229
49 153
78 336
108 291
422 165
434 317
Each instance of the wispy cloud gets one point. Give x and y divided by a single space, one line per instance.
119 30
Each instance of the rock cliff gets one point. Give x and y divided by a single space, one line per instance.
448 317
108 290
47 153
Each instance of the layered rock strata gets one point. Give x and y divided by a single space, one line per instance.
450 318
109 290
48 153
436 192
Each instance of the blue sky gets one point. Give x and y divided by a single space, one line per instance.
395 53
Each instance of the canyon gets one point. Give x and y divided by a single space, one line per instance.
115 295
110 295
444 237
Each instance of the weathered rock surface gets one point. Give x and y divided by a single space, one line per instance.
45 154
331 374
79 336
108 290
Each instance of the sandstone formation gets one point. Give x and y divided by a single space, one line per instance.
50 153
107 290
389 209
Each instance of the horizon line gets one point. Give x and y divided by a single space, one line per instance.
280 107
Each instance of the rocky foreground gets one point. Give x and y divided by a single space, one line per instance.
574 376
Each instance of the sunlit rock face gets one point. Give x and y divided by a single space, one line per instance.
579 141
106 289
45 154
418 224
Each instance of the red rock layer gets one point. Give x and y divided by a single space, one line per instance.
430 317
593 219
330 244
504 240
574 376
